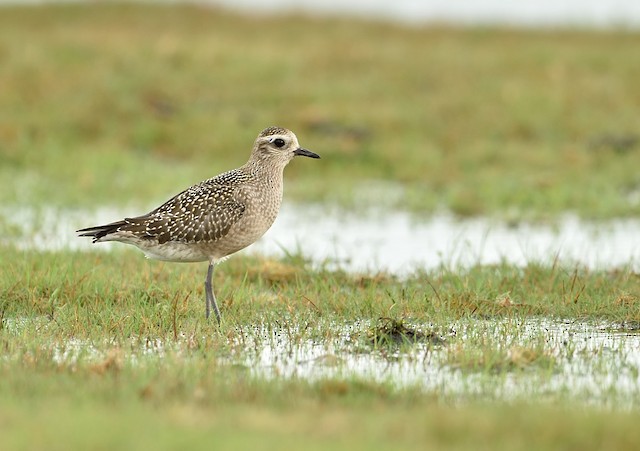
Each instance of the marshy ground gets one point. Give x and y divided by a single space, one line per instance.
120 106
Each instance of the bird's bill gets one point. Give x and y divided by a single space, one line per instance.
305 153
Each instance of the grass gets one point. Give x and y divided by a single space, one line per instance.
480 121
110 103
98 289
338 423
80 336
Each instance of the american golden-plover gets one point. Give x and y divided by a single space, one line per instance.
217 217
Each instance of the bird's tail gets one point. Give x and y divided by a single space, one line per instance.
98 232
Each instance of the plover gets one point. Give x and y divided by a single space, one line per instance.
215 218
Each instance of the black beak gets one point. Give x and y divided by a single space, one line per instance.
305 153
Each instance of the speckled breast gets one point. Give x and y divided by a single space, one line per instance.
262 207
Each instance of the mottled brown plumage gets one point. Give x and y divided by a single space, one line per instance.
217 217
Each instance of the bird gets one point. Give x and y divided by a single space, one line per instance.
217 217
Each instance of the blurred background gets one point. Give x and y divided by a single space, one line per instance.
477 156
542 13
523 111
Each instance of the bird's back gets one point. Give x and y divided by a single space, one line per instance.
209 220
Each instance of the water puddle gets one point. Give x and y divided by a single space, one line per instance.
510 360
396 242
544 359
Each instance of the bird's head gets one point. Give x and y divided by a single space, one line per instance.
278 146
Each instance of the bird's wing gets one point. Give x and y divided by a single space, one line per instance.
201 213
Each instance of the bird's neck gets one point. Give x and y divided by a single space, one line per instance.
270 173
268 183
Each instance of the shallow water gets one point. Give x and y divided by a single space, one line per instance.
589 363
399 242
393 241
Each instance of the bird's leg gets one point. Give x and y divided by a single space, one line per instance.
210 297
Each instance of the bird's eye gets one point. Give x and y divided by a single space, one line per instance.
279 142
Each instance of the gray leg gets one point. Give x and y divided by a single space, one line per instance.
211 299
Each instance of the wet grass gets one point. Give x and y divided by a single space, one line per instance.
493 359
95 288
387 332
102 103
114 340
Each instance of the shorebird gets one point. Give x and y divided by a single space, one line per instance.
215 218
